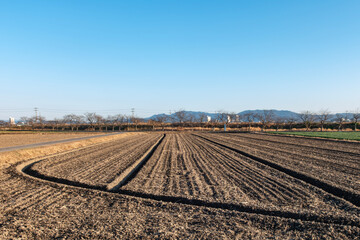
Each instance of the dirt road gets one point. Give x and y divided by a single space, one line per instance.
13 148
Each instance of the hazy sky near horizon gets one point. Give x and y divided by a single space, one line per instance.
156 56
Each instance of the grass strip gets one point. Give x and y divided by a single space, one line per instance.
333 135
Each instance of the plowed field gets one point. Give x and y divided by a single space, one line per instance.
334 163
202 185
98 165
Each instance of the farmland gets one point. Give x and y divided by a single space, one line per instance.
200 185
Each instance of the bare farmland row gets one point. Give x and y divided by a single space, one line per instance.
310 171
218 186
311 143
186 166
98 166
31 209
334 167
342 158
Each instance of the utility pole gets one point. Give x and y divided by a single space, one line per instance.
133 117
36 116
170 117
133 112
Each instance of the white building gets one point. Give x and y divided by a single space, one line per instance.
12 121
208 118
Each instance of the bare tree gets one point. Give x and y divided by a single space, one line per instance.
180 116
161 119
291 121
78 120
55 123
202 117
41 122
307 118
3 123
112 120
68 119
109 121
136 121
233 117
222 116
120 119
356 117
26 120
249 118
100 120
323 116
340 119
265 117
278 122
73 120
190 118
93 118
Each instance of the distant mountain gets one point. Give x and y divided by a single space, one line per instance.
276 114
196 115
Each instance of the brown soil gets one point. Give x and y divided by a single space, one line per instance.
187 166
98 165
190 188
336 163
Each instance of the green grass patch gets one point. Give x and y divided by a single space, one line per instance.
334 135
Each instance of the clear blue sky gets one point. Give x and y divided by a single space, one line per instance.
155 56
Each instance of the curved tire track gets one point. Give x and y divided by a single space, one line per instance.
52 181
26 172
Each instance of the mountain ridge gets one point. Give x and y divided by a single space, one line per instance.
276 114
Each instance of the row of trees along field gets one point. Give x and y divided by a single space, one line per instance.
263 120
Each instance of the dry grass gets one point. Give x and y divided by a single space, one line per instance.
12 157
18 139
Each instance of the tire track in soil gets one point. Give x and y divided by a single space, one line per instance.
131 171
28 173
341 193
114 163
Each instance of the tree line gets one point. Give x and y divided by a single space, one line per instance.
264 119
